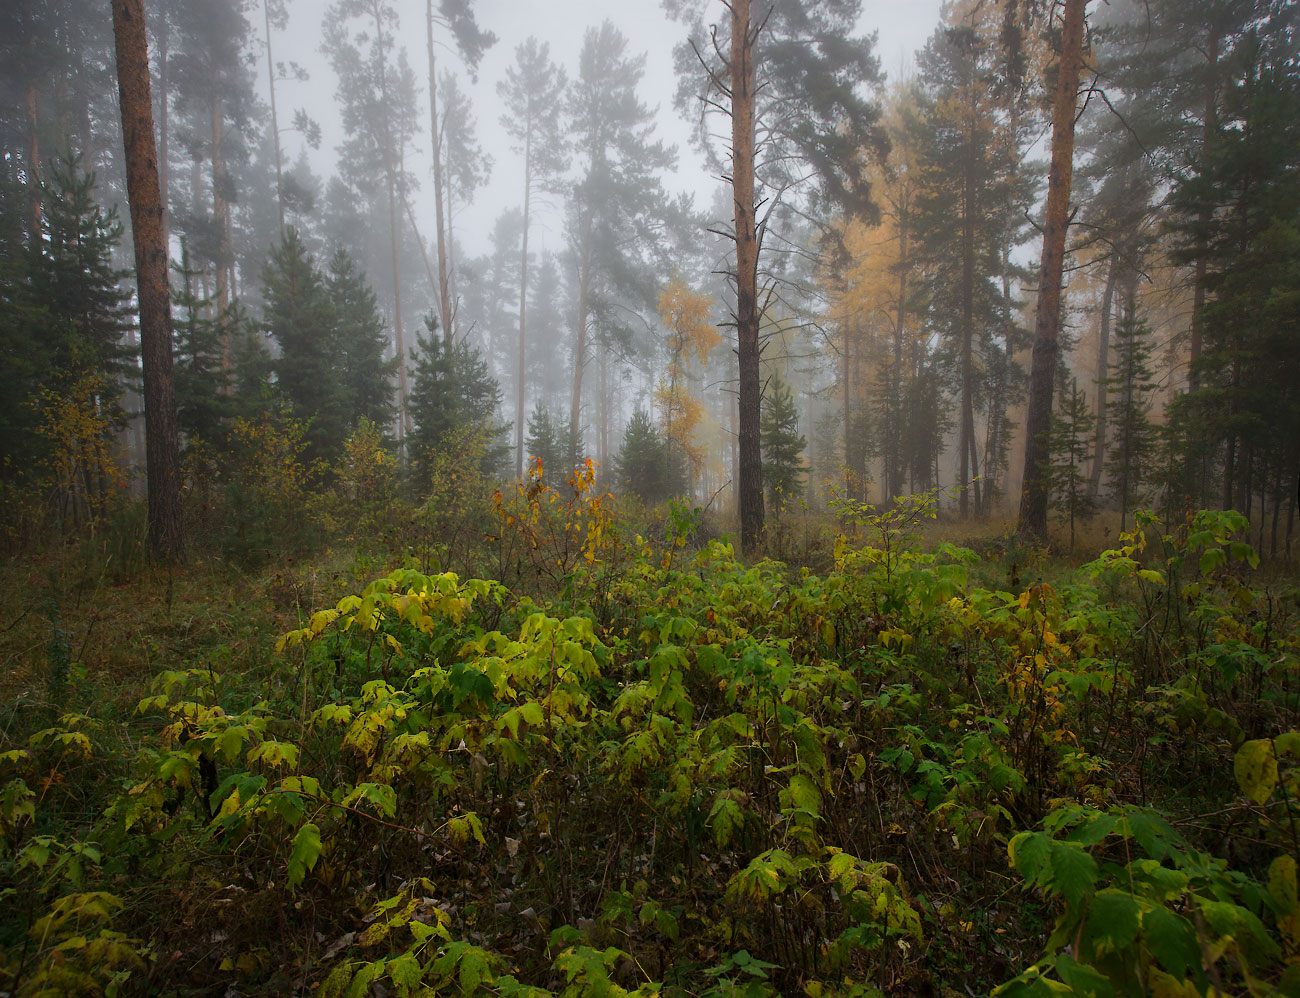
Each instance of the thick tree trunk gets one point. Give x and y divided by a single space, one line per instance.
435 140
164 127
746 234
161 437
1033 495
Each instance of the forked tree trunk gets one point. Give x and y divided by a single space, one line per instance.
161 437
1033 495
746 235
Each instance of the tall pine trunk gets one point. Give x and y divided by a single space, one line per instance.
435 140
522 368
1103 368
741 65
1033 495
161 436
275 118
580 336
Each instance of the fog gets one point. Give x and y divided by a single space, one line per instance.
898 218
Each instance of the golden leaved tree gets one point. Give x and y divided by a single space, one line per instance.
685 312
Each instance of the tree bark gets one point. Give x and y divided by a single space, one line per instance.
34 212
523 307
746 235
395 222
166 536
164 127
1033 495
1103 370
580 338
275 118
435 140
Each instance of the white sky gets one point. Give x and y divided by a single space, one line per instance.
903 26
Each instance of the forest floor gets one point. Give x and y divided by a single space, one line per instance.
910 757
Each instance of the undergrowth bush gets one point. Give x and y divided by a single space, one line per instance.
629 766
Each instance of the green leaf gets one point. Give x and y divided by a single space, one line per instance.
1084 981
1171 940
1256 769
306 851
1074 872
1112 921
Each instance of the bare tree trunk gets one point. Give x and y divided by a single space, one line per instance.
33 143
1202 251
161 437
602 437
275 119
746 236
164 127
435 140
580 336
1033 495
966 437
395 229
522 367
1103 368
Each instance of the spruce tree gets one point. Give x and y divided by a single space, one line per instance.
646 464
300 318
783 445
451 389
1070 445
360 341
1133 438
202 402
548 443
82 291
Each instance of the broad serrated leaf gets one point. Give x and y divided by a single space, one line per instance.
306 851
1074 872
1112 921
1255 768
1171 940
1083 980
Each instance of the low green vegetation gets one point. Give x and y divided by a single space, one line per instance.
591 762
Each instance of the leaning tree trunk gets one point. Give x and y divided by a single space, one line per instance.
746 235
161 437
1033 494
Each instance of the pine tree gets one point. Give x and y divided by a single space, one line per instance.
646 465
783 445
1133 438
1070 446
